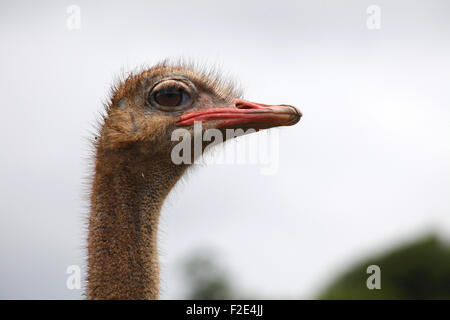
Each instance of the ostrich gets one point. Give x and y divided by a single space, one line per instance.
134 172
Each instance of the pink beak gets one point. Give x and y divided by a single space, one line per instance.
243 113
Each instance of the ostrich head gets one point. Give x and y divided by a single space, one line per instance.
146 108
134 170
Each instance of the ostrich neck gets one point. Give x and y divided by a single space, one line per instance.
128 191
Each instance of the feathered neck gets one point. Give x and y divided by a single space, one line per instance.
128 190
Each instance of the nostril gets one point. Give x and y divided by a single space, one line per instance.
243 104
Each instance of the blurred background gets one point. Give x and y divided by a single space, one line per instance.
364 179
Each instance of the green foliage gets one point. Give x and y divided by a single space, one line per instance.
207 279
419 270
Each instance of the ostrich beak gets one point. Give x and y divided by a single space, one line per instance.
244 114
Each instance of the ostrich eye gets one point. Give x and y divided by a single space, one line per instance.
170 95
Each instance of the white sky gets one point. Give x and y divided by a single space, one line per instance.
367 166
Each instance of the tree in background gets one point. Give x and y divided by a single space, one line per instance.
419 270
207 278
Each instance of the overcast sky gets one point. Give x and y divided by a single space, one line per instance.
367 166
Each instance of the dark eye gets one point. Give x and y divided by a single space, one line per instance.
170 97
